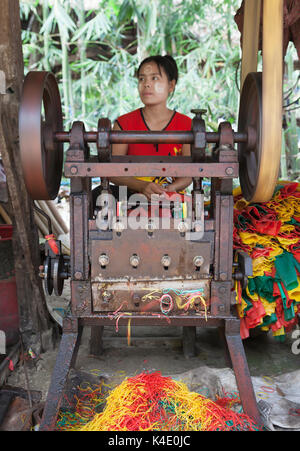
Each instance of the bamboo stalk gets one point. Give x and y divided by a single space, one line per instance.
43 219
46 37
57 215
5 215
41 226
55 225
81 46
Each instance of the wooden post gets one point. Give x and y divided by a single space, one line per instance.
35 321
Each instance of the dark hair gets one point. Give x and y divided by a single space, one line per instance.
167 63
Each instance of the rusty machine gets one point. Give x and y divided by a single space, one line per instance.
144 273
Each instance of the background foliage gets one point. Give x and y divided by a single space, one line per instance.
94 48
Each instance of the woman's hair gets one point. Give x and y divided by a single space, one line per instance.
167 63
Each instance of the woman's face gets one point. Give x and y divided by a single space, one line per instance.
153 84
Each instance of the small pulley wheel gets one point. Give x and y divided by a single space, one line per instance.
58 271
40 117
48 282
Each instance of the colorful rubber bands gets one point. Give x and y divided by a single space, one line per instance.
152 402
270 233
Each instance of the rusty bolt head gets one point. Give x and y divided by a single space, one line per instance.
198 226
166 260
136 298
182 227
78 275
229 171
198 261
134 260
106 297
73 170
77 201
103 260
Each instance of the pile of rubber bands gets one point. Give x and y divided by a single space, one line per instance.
152 402
89 401
270 233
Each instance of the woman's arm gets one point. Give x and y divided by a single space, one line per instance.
140 186
180 183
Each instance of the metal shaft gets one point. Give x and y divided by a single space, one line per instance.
129 137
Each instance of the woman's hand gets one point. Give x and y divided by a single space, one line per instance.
151 189
179 184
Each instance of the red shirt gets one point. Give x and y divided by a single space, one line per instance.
136 121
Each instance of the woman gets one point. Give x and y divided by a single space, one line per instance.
157 78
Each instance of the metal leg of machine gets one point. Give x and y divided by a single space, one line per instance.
96 342
189 341
241 370
66 358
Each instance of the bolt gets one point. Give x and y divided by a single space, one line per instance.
198 261
223 276
77 201
78 275
106 297
198 226
229 171
182 227
136 299
103 260
73 170
166 260
221 308
134 260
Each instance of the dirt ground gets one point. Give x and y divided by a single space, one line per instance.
154 349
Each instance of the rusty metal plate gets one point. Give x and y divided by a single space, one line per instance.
163 296
150 252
